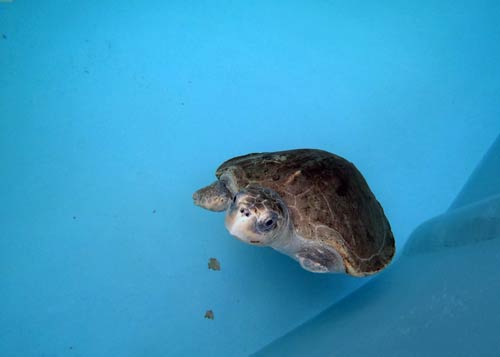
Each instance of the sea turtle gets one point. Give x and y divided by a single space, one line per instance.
309 204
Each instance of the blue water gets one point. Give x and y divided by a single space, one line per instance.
112 113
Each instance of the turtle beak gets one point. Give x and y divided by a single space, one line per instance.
241 224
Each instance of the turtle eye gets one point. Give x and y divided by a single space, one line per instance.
268 224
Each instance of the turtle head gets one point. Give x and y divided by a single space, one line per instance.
257 216
215 197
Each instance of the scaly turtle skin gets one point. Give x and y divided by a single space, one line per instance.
312 205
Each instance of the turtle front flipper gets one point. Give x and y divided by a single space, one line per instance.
215 197
320 260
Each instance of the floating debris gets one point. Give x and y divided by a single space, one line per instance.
154 211
209 315
213 264
4 36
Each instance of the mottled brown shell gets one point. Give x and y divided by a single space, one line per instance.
329 201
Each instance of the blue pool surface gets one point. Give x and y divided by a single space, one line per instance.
113 113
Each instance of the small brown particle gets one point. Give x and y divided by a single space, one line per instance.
213 264
209 315
74 217
154 211
4 36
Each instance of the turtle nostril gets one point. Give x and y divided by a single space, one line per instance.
245 211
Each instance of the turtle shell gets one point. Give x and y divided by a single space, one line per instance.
328 199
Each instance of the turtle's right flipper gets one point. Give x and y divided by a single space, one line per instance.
215 197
